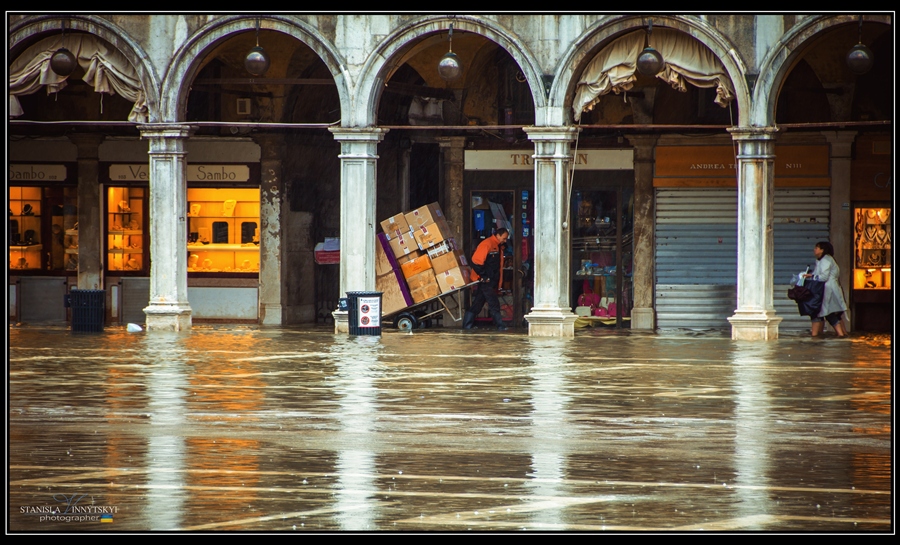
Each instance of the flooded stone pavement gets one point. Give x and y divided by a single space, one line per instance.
268 430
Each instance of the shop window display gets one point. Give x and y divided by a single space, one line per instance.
872 248
596 239
223 230
126 240
43 229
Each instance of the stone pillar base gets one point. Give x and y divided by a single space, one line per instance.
556 322
341 321
643 318
754 325
270 314
175 317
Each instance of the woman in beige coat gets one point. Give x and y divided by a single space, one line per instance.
833 305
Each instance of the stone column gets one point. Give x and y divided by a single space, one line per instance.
453 150
551 315
271 256
840 226
754 319
643 315
90 219
358 184
169 308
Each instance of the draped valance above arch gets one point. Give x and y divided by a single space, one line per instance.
105 69
686 60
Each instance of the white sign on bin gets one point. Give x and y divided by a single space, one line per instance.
369 311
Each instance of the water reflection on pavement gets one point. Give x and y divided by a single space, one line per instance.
239 428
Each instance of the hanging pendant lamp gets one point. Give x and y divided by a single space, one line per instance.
257 61
63 62
649 61
449 67
860 58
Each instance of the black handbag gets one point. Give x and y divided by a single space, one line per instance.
799 293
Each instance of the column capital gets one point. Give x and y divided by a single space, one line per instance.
643 145
88 144
552 134
753 133
839 137
271 146
166 130
451 141
841 143
354 134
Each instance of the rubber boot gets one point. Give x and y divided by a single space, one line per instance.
498 321
468 320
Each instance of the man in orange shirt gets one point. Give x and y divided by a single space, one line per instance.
486 263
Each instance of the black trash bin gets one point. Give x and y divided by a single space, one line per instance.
88 309
364 312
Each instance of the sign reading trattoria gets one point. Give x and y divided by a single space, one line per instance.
605 159
36 173
195 173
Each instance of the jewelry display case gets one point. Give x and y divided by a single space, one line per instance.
223 230
25 242
872 235
126 240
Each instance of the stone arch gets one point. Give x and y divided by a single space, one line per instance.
25 29
781 57
585 47
186 61
371 79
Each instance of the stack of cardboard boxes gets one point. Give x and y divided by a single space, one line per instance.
417 259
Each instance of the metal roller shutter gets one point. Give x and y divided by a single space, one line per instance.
696 252
42 300
801 220
135 297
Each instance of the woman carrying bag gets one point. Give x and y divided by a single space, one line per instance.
833 305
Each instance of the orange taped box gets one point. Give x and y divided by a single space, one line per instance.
415 266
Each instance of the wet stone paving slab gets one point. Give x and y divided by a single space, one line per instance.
238 428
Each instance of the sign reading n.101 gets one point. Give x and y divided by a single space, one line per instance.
37 173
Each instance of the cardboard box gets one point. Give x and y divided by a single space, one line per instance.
403 245
450 260
395 294
424 278
424 215
385 261
452 279
408 257
395 225
432 233
425 292
415 266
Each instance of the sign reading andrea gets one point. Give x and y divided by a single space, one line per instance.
218 173
37 173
